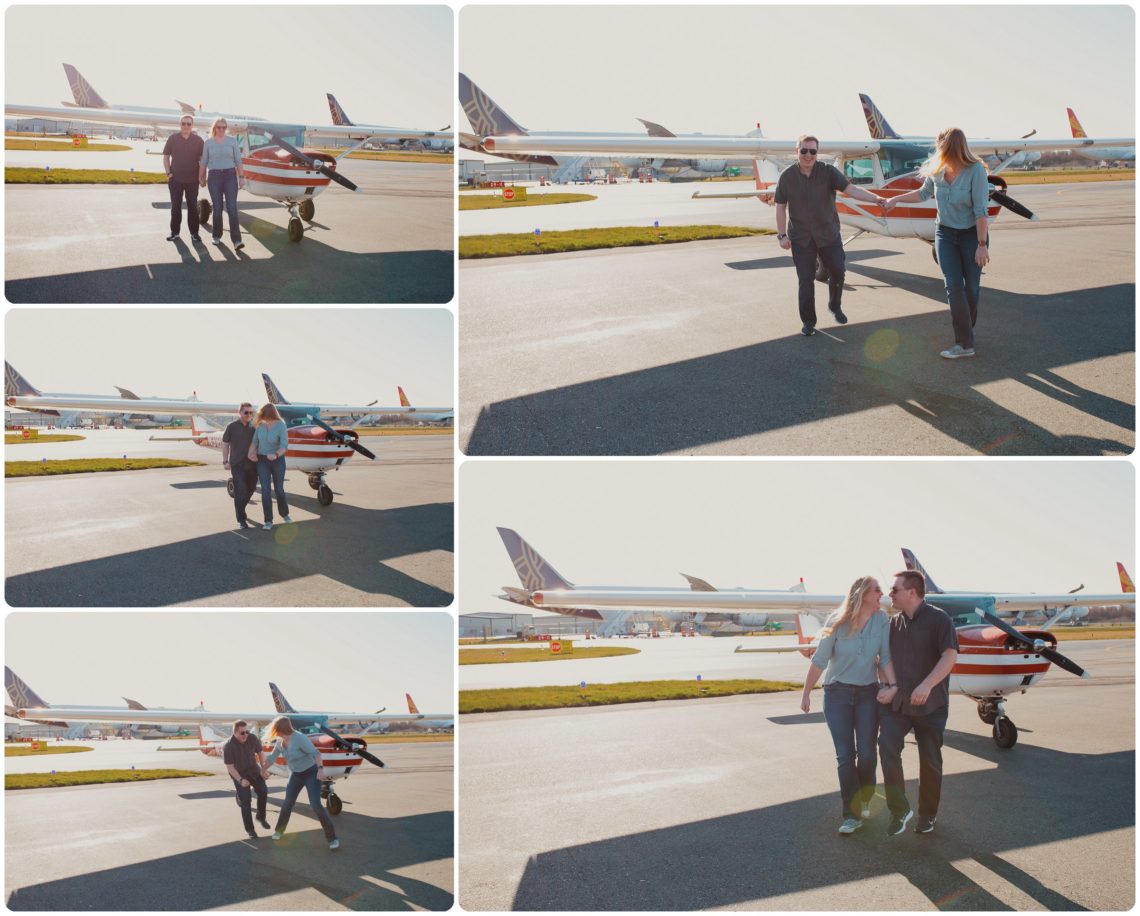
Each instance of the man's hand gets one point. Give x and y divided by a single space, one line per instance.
786 243
920 694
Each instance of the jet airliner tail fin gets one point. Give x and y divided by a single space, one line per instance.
279 702
1075 125
272 391
489 120
1126 585
876 123
15 385
533 571
22 696
412 708
83 92
338 115
911 562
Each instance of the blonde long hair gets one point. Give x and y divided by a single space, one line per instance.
850 609
279 727
267 414
950 151
214 125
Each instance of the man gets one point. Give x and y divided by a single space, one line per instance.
180 162
924 647
245 761
236 441
806 192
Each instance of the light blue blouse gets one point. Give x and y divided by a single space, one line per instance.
271 437
851 658
961 203
221 155
300 755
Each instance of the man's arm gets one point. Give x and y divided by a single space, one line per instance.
941 671
232 770
853 190
166 163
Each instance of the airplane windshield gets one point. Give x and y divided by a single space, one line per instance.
966 619
897 161
859 171
293 134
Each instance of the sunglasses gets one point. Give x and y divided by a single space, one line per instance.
247 413
241 734
187 123
808 152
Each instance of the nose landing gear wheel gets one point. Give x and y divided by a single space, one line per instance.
296 230
822 274
204 211
334 804
307 210
315 481
230 487
325 495
1005 733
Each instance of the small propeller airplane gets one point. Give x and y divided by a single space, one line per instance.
276 164
315 447
889 167
340 754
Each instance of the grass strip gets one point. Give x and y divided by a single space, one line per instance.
507 245
413 739
17 439
496 202
1060 176
539 654
63 146
1079 634
610 694
410 431
80 176
28 751
86 465
91 778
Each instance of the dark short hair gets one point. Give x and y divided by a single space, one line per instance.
239 723
913 579
804 137
244 404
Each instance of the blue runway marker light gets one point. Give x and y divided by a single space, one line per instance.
698 678
656 224
538 232
582 685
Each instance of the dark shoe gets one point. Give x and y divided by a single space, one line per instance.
840 318
264 823
196 239
216 240
172 237
898 824
807 330
251 835
925 825
239 245
243 525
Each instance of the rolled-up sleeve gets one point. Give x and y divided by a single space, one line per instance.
205 160
822 655
979 190
282 437
885 643
235 150
927 189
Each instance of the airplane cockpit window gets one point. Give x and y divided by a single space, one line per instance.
859 171
966 619
290 133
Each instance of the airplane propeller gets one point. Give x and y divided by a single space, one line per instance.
353 745
998 187
315 164
343 439
1034 645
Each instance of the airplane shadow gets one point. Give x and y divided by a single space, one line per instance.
306 271
792 847
365 874
855 368
345 543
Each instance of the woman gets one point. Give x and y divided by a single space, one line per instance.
221 156
304 763
957 179
853 650
270 441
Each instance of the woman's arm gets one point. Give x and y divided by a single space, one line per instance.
814 672
980 196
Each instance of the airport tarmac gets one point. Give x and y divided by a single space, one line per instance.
715 658
168 537
732 803
390 242
178 844
695 348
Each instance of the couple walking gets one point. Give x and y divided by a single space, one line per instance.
883 678
254 451
248 766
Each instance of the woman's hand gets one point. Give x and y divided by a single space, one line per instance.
887 203
886 694
805 702
982 256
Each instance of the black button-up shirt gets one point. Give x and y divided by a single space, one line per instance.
239 435
917 644
184 155
811 202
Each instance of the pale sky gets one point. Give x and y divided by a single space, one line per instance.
334 356
1045 526
390 65
334 661
995 71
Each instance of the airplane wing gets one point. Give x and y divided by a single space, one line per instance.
117 715
126 118
116 405
995 147
364 132
681 147
682 599
1031 602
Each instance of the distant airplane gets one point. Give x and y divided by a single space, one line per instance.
1109 154
340 118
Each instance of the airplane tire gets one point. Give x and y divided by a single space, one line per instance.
821 273
204 211
307 209
1005 733
325 495
934 253
296 230
314 482
230 487
987 714
334 805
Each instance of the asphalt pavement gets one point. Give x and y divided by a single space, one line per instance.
733 803
169 536
393 241
695 348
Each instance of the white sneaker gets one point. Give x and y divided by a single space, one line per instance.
277 834
866 813
287 520
268 526
957 352
215 241
850 825
334 844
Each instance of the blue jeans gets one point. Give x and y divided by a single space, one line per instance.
223 183
852 714
307 780
928 731
272 470
956 249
